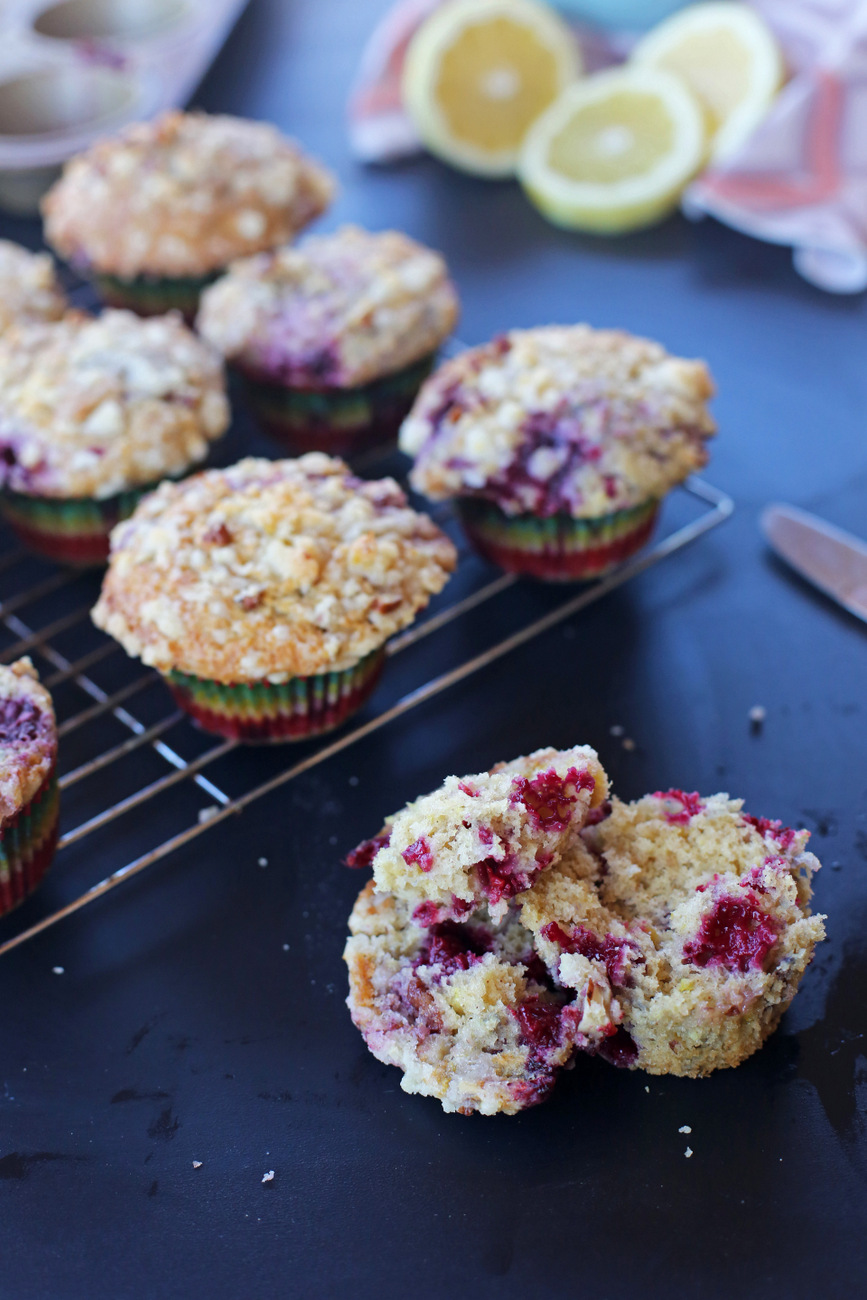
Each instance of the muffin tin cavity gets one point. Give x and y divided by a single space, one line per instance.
110 20
74 70
63 100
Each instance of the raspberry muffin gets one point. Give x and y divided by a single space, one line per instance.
29 803
694 918
558 444
94 412
154 214
335 336
265 593
484 839
465 1010
29 289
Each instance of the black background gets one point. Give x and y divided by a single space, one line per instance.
182 1029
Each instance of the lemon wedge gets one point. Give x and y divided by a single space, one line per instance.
615 151
727 55
479 72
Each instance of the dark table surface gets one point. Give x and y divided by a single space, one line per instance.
183 1029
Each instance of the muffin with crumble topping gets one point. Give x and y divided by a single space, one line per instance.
265 592
94 411
29 800
29 288
155 213
335 336
559 443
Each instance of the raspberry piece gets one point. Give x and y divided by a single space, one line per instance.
364 853
737 934
549 798
419 852
784 835
20 721
611 952
691 804
539 1022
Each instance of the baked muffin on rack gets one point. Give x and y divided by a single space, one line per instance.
692 921
155 213
485 838
29 801
559 443
94 411
29 288
334 336
265 593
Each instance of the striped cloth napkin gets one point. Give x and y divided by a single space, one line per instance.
800 180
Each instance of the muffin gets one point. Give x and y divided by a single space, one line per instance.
265 593
466 1011
693 920
154 214
483 839
667 935
333 337
94 412
29 801
29 289
558 444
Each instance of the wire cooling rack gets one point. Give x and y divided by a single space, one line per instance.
112 714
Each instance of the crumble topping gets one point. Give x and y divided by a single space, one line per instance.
28 736
29 289
93 406
560 419
269 570
337 311
183 195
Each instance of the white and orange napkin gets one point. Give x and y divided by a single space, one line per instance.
800 180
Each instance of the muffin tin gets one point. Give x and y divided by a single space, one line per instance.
72 70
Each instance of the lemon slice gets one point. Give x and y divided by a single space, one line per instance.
479 72
615 151
730 60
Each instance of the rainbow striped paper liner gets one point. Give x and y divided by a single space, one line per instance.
149 295
264 711
559 548
27 844
339 421
71 530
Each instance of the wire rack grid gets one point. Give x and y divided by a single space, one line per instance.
47 616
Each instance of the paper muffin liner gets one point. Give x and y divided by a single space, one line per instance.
148 295
339 421
71 530
559 548
27 844
264 711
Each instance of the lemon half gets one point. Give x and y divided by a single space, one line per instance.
479 72
727 55
615 151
